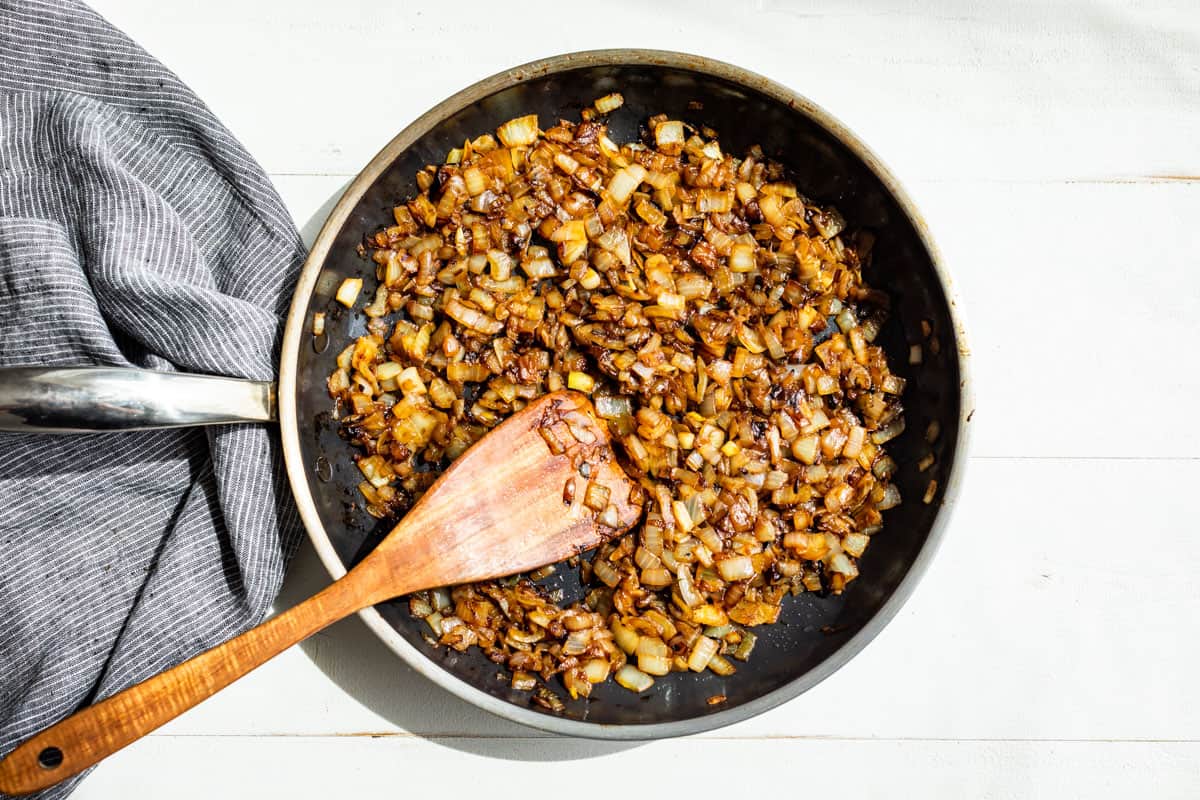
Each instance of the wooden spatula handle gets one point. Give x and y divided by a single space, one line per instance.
98 731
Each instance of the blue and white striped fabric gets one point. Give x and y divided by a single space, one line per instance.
134 230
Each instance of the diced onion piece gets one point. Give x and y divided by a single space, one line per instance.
721 666
709 615
347 293
610 102
625 182
519 132
596 496
702 652
580 381
855 543
888 432
736 568
805 448
318 326
605 572
654 665
472 318
634 679
891 498
669 135
625 637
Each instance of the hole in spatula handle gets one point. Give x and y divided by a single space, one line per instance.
50 757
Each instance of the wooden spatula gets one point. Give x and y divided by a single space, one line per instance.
513 502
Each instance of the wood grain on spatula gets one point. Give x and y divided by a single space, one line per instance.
511 503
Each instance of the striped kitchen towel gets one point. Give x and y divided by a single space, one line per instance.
134 230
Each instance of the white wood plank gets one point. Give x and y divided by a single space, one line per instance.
947 90
183 768
1081 302
1076 294
1062 606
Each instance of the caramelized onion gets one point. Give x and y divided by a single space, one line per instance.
719 319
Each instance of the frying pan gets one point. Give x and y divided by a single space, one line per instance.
816 634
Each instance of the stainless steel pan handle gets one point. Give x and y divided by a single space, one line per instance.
110 399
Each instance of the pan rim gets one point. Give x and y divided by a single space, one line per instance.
297 471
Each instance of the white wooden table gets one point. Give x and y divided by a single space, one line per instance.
1054 648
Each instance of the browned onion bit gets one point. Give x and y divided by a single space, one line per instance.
721 324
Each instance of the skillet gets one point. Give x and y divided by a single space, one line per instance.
816 635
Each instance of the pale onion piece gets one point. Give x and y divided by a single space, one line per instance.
656 578
462 372
683 520
774 346
605 572
846 320
687 589
654 665
841 562
519 132
711 539
750 338
409 381
709 615
590 279
745 647
702 652
596 496
472 318
566 163
625 637
854 442
476 182
596 670
388 370
539 266
925 463
669 135
633 679
914 354
646 559
347 293
610 102
932 431
501 264
888 432
318 326
609 407
805 448
524 681
378 306
855 543
893 384
652 646
580 381
891 498
713 201
441 599
736 568
625 182
721 666
930 491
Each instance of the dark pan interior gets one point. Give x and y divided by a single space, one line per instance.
811 628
